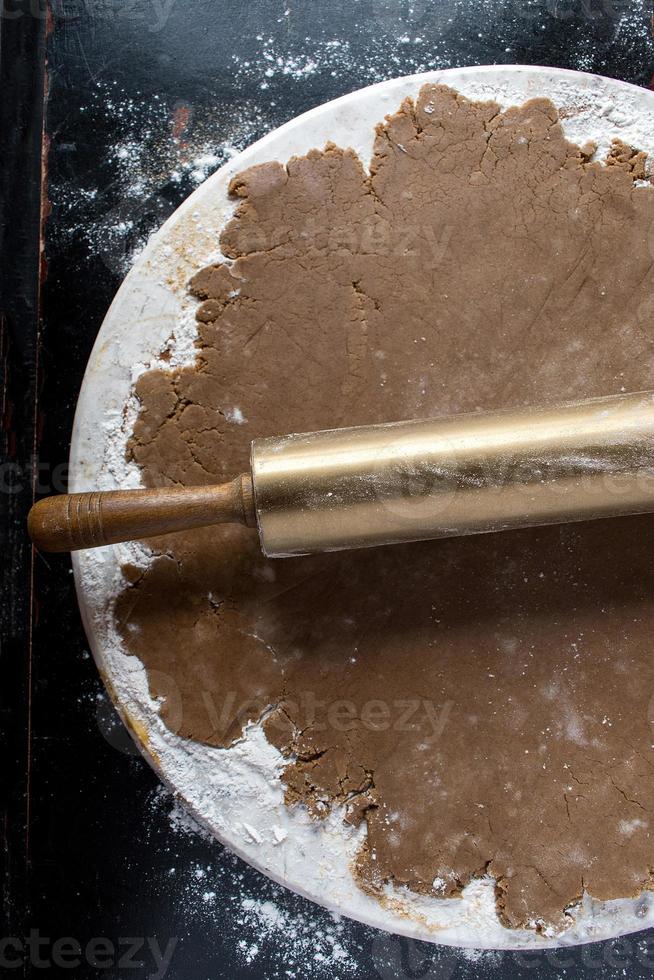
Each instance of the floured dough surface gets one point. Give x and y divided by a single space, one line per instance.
482 703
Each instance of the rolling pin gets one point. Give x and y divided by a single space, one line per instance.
395 482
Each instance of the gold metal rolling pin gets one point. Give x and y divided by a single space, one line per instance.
396 482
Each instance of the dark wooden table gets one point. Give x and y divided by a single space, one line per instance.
139 101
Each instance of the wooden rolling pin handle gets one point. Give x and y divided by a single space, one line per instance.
74 521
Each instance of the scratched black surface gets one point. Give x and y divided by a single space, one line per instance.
168 81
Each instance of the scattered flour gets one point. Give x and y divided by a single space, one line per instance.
182 822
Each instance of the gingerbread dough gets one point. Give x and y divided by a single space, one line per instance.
482 703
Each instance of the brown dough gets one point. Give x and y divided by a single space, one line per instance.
483 703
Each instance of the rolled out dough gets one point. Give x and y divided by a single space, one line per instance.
483 703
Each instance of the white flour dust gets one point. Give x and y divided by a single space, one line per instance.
160 152
259 921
